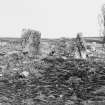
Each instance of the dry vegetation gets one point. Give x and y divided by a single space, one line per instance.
54 81
51 80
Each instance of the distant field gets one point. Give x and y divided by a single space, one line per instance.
93 39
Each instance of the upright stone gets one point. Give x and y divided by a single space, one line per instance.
31 42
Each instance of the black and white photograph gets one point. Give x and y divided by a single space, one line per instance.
52 52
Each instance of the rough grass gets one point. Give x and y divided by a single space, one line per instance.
54 81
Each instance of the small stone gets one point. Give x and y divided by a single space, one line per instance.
25 73
1 75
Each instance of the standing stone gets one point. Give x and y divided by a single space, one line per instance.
31 42
61 46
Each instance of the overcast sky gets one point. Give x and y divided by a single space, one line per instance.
53 18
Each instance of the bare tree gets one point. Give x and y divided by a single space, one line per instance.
102 23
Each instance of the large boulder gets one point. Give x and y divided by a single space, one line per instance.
31 41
